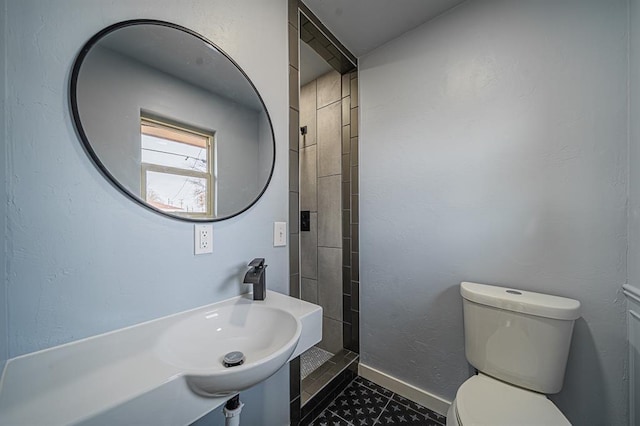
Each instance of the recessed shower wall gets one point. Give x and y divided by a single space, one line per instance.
323 207
320 199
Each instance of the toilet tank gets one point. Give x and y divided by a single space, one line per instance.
519 337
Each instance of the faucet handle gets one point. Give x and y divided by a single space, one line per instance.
257 263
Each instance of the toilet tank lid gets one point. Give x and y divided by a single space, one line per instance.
527 302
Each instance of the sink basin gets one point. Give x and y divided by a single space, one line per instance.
197 345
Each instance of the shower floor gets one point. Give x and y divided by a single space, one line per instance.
312 359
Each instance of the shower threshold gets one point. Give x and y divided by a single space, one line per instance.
322 375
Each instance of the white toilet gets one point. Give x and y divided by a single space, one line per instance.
519 342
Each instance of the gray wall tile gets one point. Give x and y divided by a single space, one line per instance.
346 197
346 174
329 211
294 171
354 122
346 139
354 151
354 180
293 46
293 12
308 179
294 254
294 213
329 88
329 139
294 129
331 335
294 286
330 281
309 250
354 92
308 114
309 290
346 111
354 209
294 88
346 86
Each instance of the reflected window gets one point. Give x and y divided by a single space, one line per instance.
176 167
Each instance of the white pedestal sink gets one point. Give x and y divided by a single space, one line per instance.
197 345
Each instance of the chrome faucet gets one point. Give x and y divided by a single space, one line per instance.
257 276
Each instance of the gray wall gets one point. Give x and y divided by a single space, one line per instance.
320 193
4 172
82 258
633 261
110 106
493 149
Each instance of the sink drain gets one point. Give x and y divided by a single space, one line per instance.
233 359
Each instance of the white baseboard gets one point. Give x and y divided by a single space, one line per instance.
422 397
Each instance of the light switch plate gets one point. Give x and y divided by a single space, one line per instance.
279 234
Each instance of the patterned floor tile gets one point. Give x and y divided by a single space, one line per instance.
328 418
359 404
373 386
364 403
419 408
398 414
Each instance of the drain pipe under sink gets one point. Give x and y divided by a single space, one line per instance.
232 410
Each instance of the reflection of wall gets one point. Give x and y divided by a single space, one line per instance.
493 148
320 193
113 90
84 259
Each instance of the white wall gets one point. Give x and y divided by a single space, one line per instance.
82 258
493 149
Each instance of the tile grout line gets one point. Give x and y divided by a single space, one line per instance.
418 412
383 410
339 416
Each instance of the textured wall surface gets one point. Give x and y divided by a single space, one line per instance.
634 147
4 338
493 149
82 258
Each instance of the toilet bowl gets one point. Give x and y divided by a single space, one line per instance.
485 401
519 343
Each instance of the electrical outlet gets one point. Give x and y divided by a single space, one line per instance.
203 239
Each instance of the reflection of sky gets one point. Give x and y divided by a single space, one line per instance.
177 191
173 154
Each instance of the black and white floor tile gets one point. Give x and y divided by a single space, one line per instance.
364 403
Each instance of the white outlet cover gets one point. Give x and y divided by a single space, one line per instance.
279 234
203 238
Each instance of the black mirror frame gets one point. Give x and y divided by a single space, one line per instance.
75 113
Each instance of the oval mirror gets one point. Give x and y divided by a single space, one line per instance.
172 120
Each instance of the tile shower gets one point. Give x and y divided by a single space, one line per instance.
323 186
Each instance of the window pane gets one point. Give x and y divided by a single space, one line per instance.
175 193
166 152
